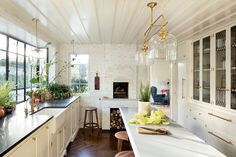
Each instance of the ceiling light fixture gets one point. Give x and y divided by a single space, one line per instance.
37 49
158 44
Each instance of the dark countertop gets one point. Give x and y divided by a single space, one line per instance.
15 127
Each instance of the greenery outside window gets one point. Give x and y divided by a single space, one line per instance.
79 73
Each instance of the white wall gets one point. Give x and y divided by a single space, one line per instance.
112 62
160 74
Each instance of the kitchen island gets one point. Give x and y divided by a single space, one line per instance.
180 142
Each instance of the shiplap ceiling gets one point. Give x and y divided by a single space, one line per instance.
108 21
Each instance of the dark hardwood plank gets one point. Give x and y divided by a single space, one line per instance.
96 144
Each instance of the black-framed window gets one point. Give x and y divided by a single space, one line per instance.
18 64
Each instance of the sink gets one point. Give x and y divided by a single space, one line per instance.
58 117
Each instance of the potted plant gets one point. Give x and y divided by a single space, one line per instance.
2 112
6 101
9 106
144 104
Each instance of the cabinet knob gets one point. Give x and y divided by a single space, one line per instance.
47 127
60 132
34 138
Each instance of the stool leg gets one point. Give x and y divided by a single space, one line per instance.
97 119
119 145
92 120
85 116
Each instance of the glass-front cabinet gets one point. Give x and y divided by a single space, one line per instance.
206 69
196 70
233 68
214 69
220 66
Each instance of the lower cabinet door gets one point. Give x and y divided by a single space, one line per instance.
43 142
53 146
73 110
60 142
226 146
27 149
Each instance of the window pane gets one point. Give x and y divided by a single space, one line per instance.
12 45
28 71
14 95
28 50
12 68
21 48
20 71
79 73
20 95
43 54
2 66
3 42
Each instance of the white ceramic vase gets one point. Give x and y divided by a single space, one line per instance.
144 107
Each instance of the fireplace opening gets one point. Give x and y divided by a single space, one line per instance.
120 90
116 122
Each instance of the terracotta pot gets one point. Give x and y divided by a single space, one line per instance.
42 99
2 112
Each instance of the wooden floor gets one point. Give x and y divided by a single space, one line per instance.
102 144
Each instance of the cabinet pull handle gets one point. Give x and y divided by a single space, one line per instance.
221 138
51 144
212 114
195 118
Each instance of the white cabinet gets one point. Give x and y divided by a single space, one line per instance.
73 117
26 149
53 146
221 143
214 69
51 139
67 126
43 141
195 121
60 141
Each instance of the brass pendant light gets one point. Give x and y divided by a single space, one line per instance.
37 49
158 44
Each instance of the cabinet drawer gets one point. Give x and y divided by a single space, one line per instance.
221 143
222 123
197 112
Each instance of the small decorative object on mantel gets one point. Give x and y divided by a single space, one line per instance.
97 82
144 103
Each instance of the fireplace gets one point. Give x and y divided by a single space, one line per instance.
120 90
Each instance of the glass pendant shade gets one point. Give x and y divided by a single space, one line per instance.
163 49
141 58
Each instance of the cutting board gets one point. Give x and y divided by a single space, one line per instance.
144 131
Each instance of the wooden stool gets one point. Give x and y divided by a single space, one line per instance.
121 136
91 124
125 154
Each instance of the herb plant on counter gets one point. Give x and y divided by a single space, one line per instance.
6 98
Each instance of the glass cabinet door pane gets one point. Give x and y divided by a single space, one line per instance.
196 69
220 69
233 67
206 69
